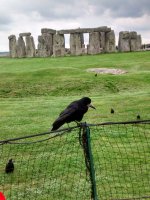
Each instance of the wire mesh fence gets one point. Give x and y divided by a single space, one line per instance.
112 162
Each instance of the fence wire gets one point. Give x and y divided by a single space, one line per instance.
122 160
51 166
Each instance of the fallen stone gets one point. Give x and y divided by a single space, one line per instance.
106 71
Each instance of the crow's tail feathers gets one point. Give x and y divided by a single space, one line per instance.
57 124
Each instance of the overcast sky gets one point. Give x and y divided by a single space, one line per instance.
18 16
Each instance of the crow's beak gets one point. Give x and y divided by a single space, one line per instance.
92 106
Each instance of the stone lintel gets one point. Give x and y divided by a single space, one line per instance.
85 30
48 30
24 34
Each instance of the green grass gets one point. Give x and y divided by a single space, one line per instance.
34 90
68 76
32 94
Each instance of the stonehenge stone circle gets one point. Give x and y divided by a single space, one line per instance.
52 42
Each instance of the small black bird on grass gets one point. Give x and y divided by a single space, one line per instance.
138 117
9 166
112 111
73 112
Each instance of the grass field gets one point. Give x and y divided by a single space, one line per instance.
34 91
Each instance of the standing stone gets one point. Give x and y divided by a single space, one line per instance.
12 46
30 47
58 45
76 43
102 41
124 41
21 49
82 39
110 43
42 47
94 46
133 41
72 44
139 42
49 43
45 43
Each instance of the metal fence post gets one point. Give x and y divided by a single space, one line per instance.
86 143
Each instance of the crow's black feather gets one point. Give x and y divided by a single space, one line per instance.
73 112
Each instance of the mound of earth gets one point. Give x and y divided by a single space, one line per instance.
106 71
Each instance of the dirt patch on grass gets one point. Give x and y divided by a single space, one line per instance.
106 71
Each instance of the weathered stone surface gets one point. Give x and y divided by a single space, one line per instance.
12 46
85 30
48 30
110 44
21 49
139 42
11 37
42 48
30 47
133 41
45 45
124 41
102 40
24 34
133 35
94 46
76 43
129 41
58 45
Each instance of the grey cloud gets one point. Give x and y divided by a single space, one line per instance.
121 8
60 9
66 9
5 21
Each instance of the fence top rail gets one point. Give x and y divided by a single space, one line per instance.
52 134
122 122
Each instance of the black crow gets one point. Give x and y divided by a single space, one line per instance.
138 117
112 111
9 166
73 112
